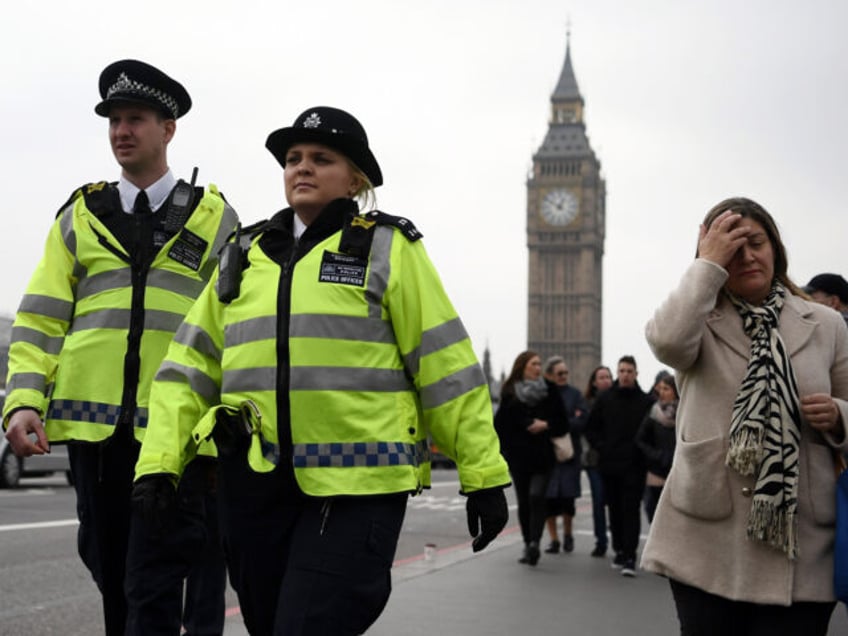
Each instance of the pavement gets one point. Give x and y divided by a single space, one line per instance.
453 592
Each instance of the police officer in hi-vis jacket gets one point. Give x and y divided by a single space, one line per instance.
122 266
322 367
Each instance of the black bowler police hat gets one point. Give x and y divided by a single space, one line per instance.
331 127
139 83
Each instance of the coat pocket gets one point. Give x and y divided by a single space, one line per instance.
820 483
698 484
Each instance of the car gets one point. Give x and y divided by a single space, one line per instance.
12 468
438 459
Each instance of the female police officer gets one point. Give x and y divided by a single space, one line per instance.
323 377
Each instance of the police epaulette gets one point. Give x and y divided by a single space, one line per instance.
94 200
403 224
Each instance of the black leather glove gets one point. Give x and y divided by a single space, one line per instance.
487 513
155 496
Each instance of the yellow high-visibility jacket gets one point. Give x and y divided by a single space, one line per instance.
346 365
93 326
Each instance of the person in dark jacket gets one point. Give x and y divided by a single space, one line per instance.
530 413
564 485
599 381
656 440
612 428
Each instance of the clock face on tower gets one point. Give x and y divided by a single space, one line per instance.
559 207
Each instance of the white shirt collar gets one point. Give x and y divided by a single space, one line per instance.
156 193
299 227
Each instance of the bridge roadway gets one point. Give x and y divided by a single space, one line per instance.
457 593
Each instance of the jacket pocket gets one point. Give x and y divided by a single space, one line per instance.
698 485
820 483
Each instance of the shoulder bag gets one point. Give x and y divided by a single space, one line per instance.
563 448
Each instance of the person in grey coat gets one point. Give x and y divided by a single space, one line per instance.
564 485
744 528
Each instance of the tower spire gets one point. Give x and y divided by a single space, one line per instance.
566 88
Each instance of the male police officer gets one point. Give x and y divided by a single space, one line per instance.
122 265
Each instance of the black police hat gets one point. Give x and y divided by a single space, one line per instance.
832 284
334 128
140 83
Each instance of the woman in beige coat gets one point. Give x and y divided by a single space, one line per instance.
745 525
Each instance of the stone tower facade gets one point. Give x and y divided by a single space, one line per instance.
566 197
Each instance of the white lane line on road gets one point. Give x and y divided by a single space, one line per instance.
39 525
437 484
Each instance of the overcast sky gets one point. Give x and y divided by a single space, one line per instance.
687 102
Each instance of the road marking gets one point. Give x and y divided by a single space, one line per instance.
40 525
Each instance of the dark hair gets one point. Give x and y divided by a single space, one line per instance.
591 390
669 380
628 360
517 373
752 210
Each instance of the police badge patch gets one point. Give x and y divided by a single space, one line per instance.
188 249
342 269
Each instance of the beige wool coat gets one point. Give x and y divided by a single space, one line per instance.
698 535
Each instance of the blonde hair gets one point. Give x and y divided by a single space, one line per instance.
365 195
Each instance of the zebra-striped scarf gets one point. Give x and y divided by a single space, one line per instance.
765 427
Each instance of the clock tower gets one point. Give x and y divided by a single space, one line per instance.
565 237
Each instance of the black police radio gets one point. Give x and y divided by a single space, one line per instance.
229 269
180 205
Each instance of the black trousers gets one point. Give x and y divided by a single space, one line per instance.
530 488
703 614
188 548
304 565
623 493
103 476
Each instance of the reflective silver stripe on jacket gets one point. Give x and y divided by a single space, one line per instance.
248 380
229 218
434 340
199 382
122 279
252 330
198 339
452 386
358 454
48 344
92 412
120 319
47 306
378 277
340 328
36 381
357 379
316 379
66 227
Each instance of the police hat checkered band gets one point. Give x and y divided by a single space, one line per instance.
125 86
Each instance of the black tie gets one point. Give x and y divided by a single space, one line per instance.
142 203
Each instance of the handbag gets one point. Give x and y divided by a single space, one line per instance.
840 544
563 448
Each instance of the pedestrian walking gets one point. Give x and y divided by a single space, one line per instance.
744 527
599 381
613 423
564 483
530 413
122 266
323 359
